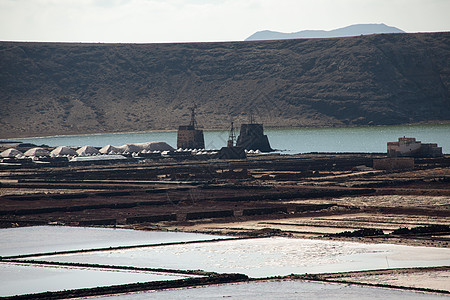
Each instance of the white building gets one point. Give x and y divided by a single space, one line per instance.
410 147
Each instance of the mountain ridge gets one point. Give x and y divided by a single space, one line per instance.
347 31
73 88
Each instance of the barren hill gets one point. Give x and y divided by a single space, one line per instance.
65 88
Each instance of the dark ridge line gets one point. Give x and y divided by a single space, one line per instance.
378 271
213 279
112 267
407 288
374 221
108 181
309 225
123 247
134 287
322 277
274 196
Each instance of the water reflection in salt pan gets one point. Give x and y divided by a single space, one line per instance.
270 257
29 240
17 279
280 290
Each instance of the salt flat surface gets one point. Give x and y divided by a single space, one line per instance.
17 279
280 290
38 239
265 257
437 280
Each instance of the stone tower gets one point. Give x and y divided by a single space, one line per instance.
188 137
252 137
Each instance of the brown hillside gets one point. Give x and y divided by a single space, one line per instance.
60 88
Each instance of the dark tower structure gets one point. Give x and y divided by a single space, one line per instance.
231 137
188 137
252 137
231 151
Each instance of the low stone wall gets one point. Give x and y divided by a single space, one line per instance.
137 287
209 214
97 222
45 210
394 163
264 211
157 218
312 207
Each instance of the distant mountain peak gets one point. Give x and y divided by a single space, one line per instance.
352 30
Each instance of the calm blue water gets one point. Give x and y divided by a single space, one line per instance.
298 140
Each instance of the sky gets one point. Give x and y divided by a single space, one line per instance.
162 21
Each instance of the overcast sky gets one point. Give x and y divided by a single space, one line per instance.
154 21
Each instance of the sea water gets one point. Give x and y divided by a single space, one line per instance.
290 141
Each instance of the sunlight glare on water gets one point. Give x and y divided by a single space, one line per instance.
38 239
265 257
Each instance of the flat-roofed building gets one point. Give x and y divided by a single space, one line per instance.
412 148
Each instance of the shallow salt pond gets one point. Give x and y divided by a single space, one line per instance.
288 289
39 239
19 279
259 257
263 257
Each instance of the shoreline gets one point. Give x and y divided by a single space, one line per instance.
267 128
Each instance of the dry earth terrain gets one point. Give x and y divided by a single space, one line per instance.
64 88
